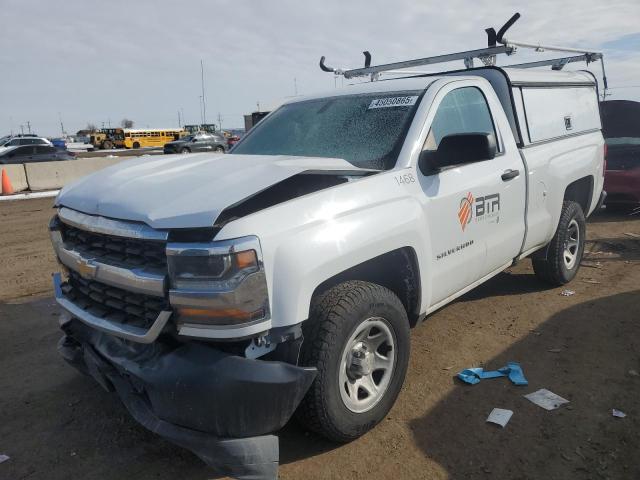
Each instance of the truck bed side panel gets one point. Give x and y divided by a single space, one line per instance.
552 167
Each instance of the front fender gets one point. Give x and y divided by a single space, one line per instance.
311 239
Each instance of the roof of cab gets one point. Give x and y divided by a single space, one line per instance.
390 85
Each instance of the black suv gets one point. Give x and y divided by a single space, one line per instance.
33 153
200 142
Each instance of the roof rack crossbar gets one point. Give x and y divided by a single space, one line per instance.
559 63
449 57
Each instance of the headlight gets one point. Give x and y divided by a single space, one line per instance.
193 270
219 283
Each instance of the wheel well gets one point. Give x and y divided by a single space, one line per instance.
581 192
396 270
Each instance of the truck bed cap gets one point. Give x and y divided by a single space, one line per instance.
527 76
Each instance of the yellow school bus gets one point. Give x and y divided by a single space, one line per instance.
153 137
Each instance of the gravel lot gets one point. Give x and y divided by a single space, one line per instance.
57 424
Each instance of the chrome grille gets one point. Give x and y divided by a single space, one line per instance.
128 252
114 304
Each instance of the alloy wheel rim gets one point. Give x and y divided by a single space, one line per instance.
571 244
367 365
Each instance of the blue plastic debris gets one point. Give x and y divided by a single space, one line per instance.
512 370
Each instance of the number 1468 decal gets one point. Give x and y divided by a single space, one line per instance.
404 179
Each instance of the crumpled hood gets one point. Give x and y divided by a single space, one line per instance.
185 191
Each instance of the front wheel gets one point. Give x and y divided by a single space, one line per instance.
564 252
185 150
220 149
357 337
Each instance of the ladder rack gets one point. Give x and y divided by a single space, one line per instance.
486 55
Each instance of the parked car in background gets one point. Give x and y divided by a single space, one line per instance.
200 142
621 129
33 153
59 143
23 140
232 140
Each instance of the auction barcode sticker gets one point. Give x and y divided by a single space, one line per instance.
394 102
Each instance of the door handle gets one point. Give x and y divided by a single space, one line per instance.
510 174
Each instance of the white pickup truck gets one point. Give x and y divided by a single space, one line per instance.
221 294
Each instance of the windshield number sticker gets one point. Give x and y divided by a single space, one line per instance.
404 179
393 102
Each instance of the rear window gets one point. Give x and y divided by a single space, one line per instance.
365 130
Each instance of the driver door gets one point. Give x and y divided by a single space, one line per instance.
475 218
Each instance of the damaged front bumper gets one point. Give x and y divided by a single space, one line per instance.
221 406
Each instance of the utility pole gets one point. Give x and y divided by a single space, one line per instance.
201 110
219 121
29 126
22 129
204 105
295 86
179 124
258 104
61 124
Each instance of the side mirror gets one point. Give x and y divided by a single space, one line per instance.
458 149
194 140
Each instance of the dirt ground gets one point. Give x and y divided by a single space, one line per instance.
57 424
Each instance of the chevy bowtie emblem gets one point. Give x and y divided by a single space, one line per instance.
86 268
465 212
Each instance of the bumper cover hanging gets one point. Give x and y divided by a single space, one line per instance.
222 407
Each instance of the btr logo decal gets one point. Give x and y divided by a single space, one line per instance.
466 209
485 208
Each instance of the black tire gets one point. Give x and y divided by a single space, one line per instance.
107 145
185 150
554 269
136 145
220 149
335 316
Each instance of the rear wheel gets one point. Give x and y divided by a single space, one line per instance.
185 150
357 337
564 252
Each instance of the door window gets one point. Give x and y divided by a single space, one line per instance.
21 152
40 150
463 110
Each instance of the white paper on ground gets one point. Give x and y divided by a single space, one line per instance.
4 458
546 399
618 413
499 416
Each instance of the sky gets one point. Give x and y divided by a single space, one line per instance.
83 61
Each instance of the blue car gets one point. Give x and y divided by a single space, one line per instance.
59 143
